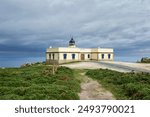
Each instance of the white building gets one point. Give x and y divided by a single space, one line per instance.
73 53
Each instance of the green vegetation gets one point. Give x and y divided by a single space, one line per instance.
134 86
36 82
145 60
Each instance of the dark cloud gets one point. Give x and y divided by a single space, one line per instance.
30 26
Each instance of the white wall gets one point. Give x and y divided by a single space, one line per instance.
95 54
105 56
69 56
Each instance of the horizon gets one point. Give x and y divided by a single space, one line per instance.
18 61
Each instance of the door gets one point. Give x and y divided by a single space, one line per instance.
82 56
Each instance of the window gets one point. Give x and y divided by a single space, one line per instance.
73 56
109 56
53 56
88 55
102 56
65 56
49 56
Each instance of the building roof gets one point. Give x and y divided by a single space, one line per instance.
67 49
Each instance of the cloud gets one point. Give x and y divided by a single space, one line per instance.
33 25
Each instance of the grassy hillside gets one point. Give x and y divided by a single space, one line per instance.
132 86
37 82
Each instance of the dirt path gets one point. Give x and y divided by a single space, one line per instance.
92 90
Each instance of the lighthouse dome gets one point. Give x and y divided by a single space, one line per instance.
72 43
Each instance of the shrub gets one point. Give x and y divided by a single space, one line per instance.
37 82
145 60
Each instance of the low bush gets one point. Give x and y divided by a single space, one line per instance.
37 82
145 60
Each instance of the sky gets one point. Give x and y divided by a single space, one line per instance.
28 27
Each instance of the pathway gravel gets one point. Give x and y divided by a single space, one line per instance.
117 66
92 90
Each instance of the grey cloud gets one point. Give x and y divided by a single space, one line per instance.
34 25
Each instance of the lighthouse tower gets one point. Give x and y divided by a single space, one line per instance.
72 43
